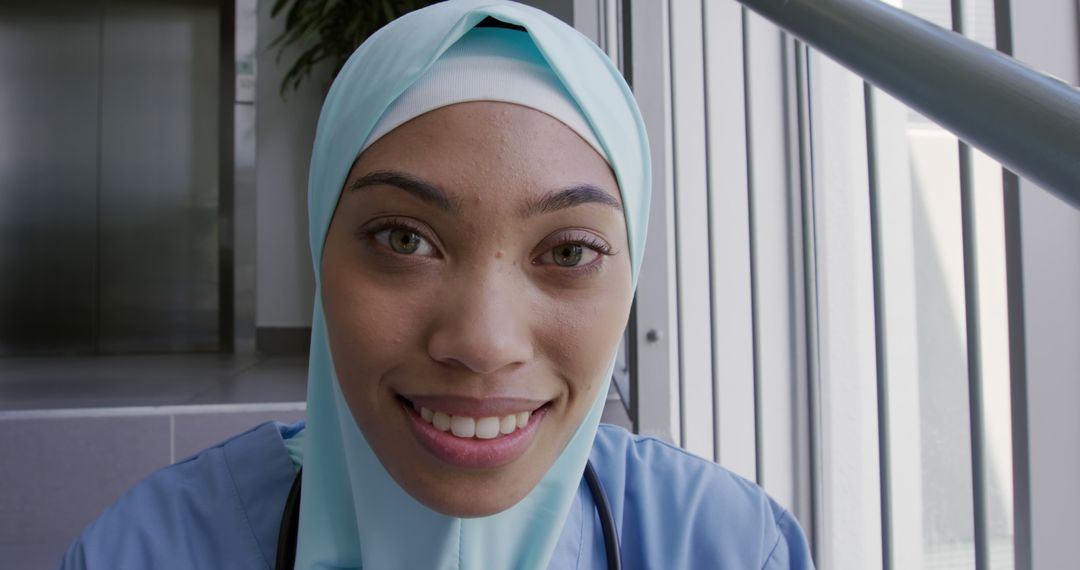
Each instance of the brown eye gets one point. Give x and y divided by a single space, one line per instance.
567 255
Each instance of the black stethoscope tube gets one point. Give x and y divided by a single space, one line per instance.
290 527
290 522
607 522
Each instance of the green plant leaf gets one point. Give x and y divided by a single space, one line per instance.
328 30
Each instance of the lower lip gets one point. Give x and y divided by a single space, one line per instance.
471 452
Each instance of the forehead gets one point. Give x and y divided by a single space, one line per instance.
468 148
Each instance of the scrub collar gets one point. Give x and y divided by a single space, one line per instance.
352 513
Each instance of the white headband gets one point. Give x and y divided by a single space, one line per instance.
476 68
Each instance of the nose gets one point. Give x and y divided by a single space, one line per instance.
483 325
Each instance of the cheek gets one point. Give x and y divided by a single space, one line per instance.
360 326
371 332
581 338
370 326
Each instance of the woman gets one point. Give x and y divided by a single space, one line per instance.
477 205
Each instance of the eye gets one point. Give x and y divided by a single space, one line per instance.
570 254
404 241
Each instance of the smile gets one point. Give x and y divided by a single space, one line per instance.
489 427
475 434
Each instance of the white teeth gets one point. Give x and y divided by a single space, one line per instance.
441 421
462 426
508 424
489 427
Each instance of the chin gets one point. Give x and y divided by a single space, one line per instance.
469 499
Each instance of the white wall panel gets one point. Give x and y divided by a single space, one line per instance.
657 356
850 502
773 257
691 227
1047 37
729 233
285 131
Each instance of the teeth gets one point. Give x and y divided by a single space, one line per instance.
508 424
489 427
462 426
441 421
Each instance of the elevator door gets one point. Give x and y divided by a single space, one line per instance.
108 176
49 86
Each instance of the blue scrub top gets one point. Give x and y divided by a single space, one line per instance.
222 509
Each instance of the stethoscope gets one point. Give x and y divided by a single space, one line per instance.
290 522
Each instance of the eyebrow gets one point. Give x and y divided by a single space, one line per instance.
568 198
423 190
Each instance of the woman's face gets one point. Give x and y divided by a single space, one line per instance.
476 281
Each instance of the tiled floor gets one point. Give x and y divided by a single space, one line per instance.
76 432
61 468
36 383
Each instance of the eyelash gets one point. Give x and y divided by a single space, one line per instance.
584 239
590 242
580 238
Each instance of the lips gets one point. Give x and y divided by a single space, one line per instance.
477 434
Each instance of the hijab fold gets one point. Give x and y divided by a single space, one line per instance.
353 514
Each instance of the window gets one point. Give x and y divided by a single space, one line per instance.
811 294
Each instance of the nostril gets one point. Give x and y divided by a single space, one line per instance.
455 367
480 330
479 357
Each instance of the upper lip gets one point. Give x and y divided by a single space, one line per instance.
474 407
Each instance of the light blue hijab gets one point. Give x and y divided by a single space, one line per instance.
353 514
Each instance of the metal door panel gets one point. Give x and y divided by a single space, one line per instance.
159 176
48 175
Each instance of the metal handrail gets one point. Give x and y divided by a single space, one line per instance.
1026 120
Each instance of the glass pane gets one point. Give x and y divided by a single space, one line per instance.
925 341
979 24
997 400
926 344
